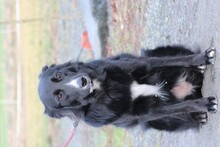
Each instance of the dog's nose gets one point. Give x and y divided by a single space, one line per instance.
79 82
84 81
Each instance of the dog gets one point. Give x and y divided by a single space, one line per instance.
160 89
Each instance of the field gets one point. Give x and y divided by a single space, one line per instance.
26 47
30 41
3 124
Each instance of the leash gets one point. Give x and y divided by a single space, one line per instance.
76 120
72 132
67 142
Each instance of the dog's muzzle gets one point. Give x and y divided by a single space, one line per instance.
83 82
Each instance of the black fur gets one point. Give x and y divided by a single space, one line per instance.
112 102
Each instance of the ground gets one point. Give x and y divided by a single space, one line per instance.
52 33
151 23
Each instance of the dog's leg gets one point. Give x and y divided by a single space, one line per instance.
198 105
148 63
199 117
179 122
195 117
155 62
202 68
185 61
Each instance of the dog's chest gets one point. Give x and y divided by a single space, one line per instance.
135 89
96 85
180 89
138 90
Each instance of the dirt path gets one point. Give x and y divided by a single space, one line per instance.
191 23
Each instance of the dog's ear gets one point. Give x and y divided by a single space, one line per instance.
77 65
44 68
52 113
73 64
52 65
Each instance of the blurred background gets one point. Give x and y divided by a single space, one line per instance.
34 33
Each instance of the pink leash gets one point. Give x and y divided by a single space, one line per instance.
67 142
75 124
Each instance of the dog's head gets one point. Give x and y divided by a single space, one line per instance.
64 87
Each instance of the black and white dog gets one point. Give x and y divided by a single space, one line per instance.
161 89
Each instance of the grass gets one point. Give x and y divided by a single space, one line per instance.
111 136
118 137
36 50
3 124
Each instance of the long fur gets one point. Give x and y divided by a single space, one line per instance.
109 91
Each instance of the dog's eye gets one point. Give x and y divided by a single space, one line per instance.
58 75
59 94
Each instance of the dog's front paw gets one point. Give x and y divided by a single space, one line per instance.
212 104
202 68
210 55
200 117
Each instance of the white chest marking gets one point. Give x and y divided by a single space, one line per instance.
144 90
96 84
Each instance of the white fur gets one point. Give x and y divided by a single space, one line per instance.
96 85
144 90
73 83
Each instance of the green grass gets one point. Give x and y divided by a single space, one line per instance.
3 124
118 136
37 51
111 136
